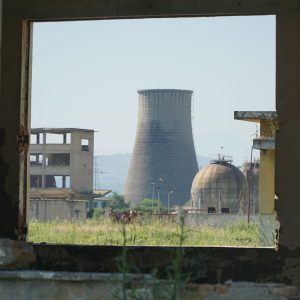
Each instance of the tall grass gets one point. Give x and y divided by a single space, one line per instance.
151 232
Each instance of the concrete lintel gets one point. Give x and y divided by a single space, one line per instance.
255 116
59 130
264 143
69 276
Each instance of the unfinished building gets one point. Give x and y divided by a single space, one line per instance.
42 265
62 158
61 172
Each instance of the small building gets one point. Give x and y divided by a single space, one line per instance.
266 144
57 204
99 200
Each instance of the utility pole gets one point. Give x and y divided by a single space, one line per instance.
153 187
158 199
169 192
250 176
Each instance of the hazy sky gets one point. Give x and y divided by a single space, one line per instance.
86 75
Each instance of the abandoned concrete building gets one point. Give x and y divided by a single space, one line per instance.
44 271
61 173
62 158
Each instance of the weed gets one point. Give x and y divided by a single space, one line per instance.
151 232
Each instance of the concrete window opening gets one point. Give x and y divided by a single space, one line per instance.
58 159
33 139
36 159
57 181
54 138
191 108
84 145
208 264
36 138
68 138
36 181
67 182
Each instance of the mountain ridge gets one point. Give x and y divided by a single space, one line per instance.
110 171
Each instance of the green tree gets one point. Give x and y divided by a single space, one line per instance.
97 214
117 201
188 203
147 205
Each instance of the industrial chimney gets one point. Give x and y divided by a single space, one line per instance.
164 162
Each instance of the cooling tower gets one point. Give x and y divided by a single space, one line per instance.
164 148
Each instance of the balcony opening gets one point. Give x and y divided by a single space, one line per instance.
36 181
36 159
36 138
54 138
84 145
57 181
58 159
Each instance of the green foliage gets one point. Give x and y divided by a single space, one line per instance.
176 280
117 201
147 205
150 232
98 214
188 203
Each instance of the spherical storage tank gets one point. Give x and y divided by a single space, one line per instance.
164 155
220 185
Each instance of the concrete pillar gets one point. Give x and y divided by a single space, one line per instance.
267 182
10 120
287 141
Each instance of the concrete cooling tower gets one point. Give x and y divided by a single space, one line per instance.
164 154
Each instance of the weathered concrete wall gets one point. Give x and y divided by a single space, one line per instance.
82 162
49 210
288 107
248 264
9 126
79 286
203 264
220 220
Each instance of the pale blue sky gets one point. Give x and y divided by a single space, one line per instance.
86 74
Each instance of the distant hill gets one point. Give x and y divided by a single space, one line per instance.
111 170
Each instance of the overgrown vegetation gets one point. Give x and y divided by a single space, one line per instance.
156 289
149 205
102 231
117 201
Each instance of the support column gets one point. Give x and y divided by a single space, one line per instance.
267 182
287 139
